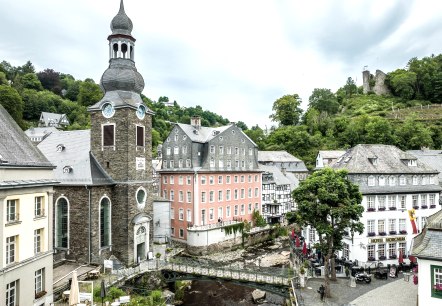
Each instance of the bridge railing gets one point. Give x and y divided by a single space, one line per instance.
228 273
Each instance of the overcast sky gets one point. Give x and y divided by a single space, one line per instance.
232 57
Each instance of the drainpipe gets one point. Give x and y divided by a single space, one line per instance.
89 225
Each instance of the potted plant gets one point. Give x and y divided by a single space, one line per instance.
392 232
302 276
437 287
433 206
392 208
371 258
381 208
416 207
371 234
424 206
403 232
382 257
347 271
382 233
393 256
371 209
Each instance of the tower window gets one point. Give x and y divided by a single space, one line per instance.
115 49
108 135
124 50
140 136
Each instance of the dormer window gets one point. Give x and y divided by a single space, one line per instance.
373 160
371 180
67 169
412 163
60 148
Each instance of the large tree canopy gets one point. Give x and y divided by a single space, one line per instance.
287 110
330 203
12 102
324 100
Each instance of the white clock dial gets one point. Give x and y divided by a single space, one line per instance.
108 110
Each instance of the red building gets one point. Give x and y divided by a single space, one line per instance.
210 175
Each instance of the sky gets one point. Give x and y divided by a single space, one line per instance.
232 57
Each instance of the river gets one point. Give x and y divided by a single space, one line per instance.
225 293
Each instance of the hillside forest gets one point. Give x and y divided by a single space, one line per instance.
410 117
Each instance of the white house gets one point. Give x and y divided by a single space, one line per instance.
326 158
427 248
394 185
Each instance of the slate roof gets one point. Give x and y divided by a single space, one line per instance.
40 131
399 189
331 153
52 119
428 243
389 159
202 134
27 183
282 159
16 149
432 158
76 154
279 178
277 156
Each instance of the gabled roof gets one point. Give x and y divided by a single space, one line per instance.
40 131
377 158
15 147
276 156
202 134
53 119
428 243
331 154
432 158
74 153
279 178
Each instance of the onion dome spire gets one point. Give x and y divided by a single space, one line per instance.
121 23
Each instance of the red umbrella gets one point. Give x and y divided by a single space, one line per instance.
401 258
304 249
297 242
412 258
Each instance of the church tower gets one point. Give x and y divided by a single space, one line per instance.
121 142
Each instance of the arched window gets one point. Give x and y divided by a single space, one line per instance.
62 223
115 49
105 222
124 50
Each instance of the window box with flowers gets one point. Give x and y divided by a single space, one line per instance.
382 233
393 256
424 206
371 209
433 206
438 287
436 284
392 208
371 259
381 208
403 232
371 234
416 207
392 232
382 257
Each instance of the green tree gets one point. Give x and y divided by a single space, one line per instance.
403 83
13 103
89 93
413 135
379 130
324 100
286 110
31 81
350 87
257 135
242 125
3 79
330 203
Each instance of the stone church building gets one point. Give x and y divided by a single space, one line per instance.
103 204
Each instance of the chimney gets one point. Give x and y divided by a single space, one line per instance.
195 121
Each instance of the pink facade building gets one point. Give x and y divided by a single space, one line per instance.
211 177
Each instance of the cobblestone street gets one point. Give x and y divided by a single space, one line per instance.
389 292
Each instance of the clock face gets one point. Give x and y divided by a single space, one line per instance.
141 112
108 110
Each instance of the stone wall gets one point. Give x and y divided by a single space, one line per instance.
236 241
379 88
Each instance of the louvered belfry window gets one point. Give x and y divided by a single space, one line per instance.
140 136
108 135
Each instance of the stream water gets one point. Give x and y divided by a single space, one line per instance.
224 293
